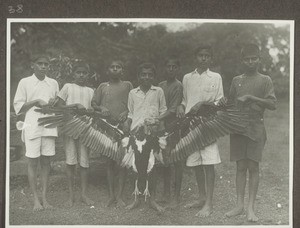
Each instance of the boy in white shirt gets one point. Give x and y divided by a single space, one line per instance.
36 91
199 87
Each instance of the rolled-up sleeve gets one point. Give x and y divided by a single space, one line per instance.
130 105
162 102
20 97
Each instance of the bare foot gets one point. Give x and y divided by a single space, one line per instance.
70 202
238 210
251 217
133 205
156 206
196 204
37 206
46 205
205 211
87 200
120 203
110 202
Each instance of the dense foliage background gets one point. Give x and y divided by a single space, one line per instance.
98 43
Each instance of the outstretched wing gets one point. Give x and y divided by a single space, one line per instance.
90 128
195 132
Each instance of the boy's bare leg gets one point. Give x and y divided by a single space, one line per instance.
200 178
253 168
178 180
152 189
241 173
167 184
32 176
121 183
111 182
45 170
210 183
84 184
70 176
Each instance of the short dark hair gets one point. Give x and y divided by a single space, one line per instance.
173 58
204 47
146 65
250 49
120 62
80 63
35 57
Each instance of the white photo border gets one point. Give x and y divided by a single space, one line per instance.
291 24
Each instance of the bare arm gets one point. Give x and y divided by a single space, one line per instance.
128 122
28 105
127 125
266 103
95 103
180 111
96 106
175 101
269 100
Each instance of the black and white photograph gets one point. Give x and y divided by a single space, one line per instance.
152 122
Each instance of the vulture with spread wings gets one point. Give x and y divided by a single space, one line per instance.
139 149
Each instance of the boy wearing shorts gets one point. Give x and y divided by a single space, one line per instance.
146 102
78 95
173 93
252 92
111 99
202 86
36 91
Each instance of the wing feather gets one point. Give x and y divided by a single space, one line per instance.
204 130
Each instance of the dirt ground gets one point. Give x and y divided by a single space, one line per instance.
272 203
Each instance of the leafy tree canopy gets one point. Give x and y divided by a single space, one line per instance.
98 43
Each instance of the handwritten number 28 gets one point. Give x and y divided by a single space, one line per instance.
17 9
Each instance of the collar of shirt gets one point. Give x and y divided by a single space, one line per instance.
207 72
139 89
36 80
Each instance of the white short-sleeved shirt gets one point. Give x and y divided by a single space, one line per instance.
145 105
206 87
29 89
72 93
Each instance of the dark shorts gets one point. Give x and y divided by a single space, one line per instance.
242 147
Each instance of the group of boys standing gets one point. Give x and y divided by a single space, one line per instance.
119 102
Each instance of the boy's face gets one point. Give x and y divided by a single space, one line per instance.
146 77
115 70
80 75
251 62
204 58
40 67
172 69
